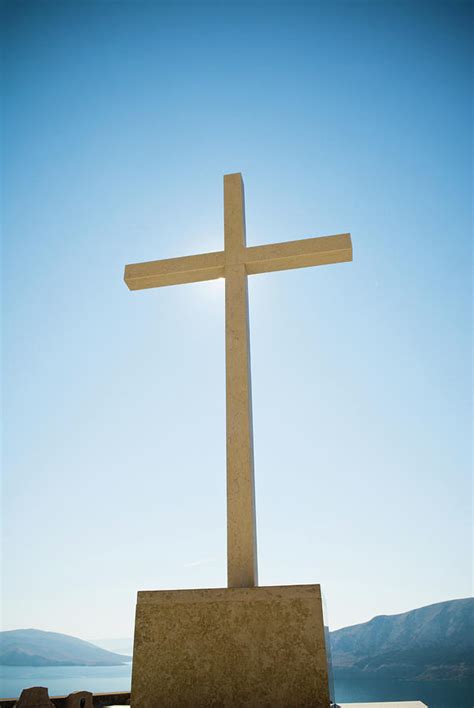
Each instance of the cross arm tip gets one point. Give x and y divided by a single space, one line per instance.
351 252
126 278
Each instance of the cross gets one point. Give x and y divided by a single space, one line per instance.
235 263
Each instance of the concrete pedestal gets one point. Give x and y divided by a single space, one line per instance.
261 646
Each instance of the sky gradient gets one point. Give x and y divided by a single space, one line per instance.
119 121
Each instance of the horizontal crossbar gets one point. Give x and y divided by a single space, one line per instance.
257 259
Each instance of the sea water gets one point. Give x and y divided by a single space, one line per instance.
435 694
62 680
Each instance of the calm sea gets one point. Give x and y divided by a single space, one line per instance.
65 679
435 694
61 680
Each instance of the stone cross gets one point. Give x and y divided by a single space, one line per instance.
235 263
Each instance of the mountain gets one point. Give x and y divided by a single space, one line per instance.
433 642
33 647
122 645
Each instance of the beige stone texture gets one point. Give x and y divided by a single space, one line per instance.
80 699
175 271
35 697
245 645
303 253
261 646
241 523
298 254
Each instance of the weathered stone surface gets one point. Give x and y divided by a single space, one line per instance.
36 697
79 699
242 570
261 646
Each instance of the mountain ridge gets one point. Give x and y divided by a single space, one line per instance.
431 642
37 647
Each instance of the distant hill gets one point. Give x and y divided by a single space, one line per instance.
122 645
433 642
33 647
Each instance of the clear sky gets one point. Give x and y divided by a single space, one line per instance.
119 121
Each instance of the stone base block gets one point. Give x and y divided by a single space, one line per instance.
262 646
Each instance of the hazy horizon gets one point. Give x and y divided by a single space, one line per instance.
119 121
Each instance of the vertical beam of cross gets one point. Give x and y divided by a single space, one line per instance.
241 522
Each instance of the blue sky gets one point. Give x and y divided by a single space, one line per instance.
119 121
